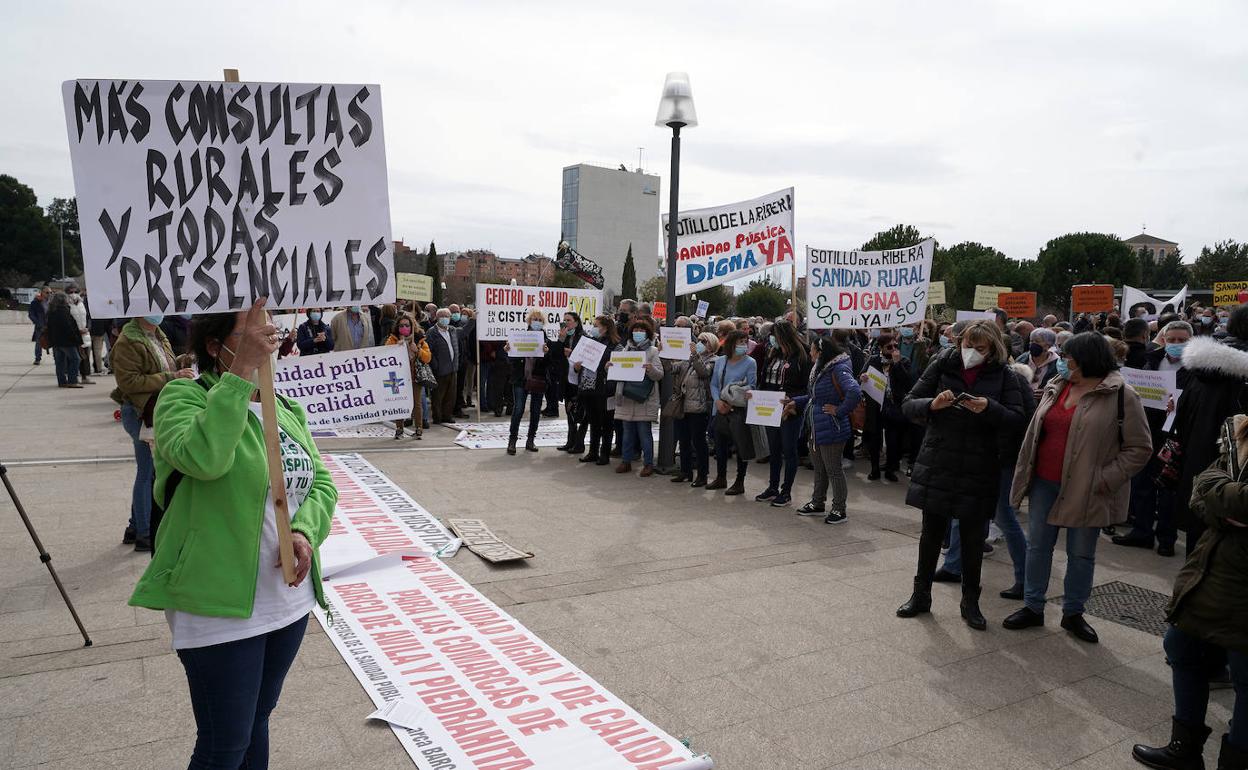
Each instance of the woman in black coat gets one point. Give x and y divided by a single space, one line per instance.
570 334
528 382
65 340
972 406
887 428
595 395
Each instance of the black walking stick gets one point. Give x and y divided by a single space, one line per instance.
44 556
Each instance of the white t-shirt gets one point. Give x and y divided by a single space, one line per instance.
277 605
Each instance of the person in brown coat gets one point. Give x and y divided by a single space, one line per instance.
1088 437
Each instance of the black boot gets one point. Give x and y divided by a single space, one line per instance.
1232 757
1187 742
529 445
970 608
920 600
511 445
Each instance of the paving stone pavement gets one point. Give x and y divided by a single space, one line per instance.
766 639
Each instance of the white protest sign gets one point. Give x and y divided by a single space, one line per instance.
500 308
936 293
588 353
764 408
988 296
349 386
722 243
627 366
974 315
876 384
676 342
198 197
1153 387
703 306
1133 299
868 289
521 344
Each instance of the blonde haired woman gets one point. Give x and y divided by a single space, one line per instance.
528 383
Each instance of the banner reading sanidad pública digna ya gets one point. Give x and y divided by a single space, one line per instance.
722 243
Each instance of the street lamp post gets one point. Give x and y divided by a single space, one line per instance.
63 276
676 112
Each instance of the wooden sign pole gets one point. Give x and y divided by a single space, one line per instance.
796 319
273 447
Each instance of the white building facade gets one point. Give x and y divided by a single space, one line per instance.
604 211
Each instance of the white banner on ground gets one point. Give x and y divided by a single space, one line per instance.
587 353
764 408
500 308
722 243
374 517
349 386
876 384
198 197
1133 298
375 430
1155 388
493 435
677 340
495 695
868 289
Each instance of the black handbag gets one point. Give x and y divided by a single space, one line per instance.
639 391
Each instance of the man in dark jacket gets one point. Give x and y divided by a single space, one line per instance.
1135 334
444 347
467 371
38 315
314 335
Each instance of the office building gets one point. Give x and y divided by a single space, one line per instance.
604 212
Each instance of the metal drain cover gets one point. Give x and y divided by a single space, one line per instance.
1129 605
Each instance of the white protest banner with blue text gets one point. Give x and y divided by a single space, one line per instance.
723 243
868 289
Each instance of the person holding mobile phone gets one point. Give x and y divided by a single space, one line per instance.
957 473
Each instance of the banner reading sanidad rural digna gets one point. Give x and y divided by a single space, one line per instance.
720 244
868 289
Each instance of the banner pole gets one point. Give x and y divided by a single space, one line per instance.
273 448
478 376
796 320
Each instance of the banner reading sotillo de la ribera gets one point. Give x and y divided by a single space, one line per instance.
349 386
867 289
723 243
198 197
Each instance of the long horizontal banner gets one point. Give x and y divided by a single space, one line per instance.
346 387
868 289
723 243
503 308
478 689
199 197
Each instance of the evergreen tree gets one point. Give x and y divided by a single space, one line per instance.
433 269
628 283
1225 261
1169 272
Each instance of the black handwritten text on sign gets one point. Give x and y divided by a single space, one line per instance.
198 197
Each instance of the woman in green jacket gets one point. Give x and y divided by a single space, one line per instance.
236 623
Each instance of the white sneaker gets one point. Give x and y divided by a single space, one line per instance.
995 535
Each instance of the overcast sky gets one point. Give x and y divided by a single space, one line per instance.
1007 123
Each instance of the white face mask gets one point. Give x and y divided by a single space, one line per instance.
971 358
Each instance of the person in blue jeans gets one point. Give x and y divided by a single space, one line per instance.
637 403
1006 515
733 375
1088 437
528 380
1207 617
786 368
38 315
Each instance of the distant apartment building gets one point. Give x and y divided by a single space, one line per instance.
604 212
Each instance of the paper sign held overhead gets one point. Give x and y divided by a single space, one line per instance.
1092 298
1228 293
936 293
868 289
524 344
875 384
974 315
986 296
199 197
659 311
676 341
413 286
1018 304
703 306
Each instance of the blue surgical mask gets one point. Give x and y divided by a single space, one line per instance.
315 315
456 316
535 326
1175 349
700 347
154 320
741 350
639 337
771 340
945 342
355 308
593 332
907 332
1205 320
1062 369
444 322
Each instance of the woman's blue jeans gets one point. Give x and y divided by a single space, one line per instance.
1007 519
637 433
783 442
1192 660
1080 553
144 475
66 360
234 687
518 397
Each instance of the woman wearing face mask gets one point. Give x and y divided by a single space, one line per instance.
914 349
314 335
733 374
637 404
887 429
832 394
143 363
1205 322
1041 359
528 382
408 332
235 621
597 394
1088 437
691 406
786 368
971 405
570 334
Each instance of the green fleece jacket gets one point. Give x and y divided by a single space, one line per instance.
208 545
